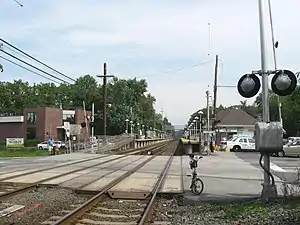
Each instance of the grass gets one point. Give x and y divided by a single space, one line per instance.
235 211
24 152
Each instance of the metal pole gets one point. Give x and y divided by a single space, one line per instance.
92 119
207 122
196 129
267 189
86 124
275 60
126 127
200 128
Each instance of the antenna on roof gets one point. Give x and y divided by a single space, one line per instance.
18 3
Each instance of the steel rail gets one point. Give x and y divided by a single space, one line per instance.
39 183
148 211
81 210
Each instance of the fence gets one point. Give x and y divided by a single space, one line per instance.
112 142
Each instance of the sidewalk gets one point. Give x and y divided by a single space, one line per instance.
226 178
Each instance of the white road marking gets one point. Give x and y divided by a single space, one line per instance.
276 168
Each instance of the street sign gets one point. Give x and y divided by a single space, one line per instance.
14 142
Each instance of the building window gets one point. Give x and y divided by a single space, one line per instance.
31 133
31 118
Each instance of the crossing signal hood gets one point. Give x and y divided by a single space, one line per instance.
284 83
248 85
83 124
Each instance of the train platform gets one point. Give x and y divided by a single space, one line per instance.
86 174
225 176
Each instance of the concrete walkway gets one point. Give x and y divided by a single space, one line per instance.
226 178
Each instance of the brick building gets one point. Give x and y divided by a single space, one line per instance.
42 122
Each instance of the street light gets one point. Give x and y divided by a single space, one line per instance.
200 128
131 127
126 131
143 129
192 129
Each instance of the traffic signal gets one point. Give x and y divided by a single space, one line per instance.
83 124
248 85
284 83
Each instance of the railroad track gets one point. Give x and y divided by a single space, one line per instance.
101 211
8 189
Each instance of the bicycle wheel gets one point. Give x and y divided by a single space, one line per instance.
198 186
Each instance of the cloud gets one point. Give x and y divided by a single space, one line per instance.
148 38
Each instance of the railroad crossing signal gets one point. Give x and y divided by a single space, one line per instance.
248 85
283 83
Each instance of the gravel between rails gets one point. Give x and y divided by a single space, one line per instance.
113 210
170 148
256 213
40 205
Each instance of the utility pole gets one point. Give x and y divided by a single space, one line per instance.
104 76
207 123
216 86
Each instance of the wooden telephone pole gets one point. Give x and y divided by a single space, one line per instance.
104 76
215 87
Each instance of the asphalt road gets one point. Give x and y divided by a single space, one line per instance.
286 168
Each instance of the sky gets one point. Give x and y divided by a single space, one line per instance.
169 43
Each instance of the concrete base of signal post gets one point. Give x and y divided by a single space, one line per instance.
269 191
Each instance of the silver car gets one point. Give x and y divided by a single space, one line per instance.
290 149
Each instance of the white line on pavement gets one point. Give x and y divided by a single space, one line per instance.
276 168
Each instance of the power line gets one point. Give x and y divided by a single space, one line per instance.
175 70
33 66
49 67
23 67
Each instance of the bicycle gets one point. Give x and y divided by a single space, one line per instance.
197 185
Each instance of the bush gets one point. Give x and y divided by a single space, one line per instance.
31 143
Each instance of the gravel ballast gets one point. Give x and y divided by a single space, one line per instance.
40 205
254 213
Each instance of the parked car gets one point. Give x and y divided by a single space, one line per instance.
290 149
44 145
241 143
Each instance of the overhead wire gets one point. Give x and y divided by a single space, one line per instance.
23 67
26 54
28 64
175 70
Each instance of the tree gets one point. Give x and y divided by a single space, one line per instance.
122 96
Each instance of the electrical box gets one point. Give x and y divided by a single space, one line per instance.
268 137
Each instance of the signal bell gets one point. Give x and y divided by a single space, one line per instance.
248 85
284 83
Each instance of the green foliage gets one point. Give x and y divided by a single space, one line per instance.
122 96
